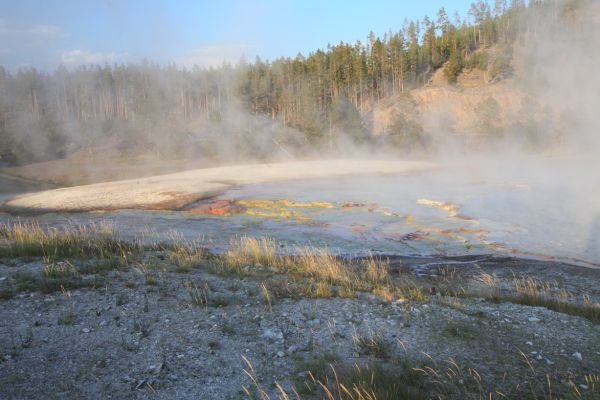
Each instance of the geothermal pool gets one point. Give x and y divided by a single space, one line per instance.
541 212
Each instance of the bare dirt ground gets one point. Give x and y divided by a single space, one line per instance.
136 337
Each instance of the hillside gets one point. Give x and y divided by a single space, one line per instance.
537 91
465 110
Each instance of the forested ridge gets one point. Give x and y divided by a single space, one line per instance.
302 102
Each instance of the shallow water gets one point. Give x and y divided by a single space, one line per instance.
537 212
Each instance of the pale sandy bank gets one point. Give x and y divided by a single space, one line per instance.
173 191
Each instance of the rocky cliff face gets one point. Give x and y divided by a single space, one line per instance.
477 107
540 92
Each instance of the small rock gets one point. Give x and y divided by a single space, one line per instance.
280 354
86 330
584 387
533 319
529 343
273 334
577 355
155 369
292 349
549 362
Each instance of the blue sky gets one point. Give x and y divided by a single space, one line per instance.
48 33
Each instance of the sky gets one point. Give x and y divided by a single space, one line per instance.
46 34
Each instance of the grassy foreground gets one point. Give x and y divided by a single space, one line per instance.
74 257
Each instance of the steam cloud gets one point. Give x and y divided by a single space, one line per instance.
557 59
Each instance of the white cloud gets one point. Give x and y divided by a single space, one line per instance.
78 57
39 30
214 55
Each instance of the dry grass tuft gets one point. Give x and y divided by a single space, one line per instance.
98 240
329 380
58 270
315 272
266 296
376 271
320 264
150 276
373 343
251 252
184 254
198 294
54 277
533 292
536 293
319 290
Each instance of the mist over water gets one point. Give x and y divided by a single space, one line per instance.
543 201
511 209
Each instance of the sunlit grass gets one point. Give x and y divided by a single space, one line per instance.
312 271
30 239
251 252
533 292
316 271
184 254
